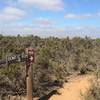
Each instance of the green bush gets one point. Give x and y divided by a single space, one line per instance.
94 92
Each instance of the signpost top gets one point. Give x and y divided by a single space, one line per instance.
30 52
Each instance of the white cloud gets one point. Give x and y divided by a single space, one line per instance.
75 16
53 5
11 14
98 14
43 22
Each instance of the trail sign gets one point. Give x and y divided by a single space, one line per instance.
30 53
28 56
14 59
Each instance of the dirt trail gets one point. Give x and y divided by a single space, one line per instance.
74 88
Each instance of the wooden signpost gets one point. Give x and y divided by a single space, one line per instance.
28 57
29 73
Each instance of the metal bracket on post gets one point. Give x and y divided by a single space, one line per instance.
29 72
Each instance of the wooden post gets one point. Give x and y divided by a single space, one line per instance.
29 73
29 83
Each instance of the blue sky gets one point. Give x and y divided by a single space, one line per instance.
45 18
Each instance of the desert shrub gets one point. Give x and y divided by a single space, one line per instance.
55 59
83 70
94 92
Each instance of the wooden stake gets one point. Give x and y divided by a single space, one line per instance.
29 73
29 81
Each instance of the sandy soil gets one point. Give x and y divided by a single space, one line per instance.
74 88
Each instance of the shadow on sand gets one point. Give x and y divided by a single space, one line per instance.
47 97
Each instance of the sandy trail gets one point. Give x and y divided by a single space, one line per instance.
74 88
